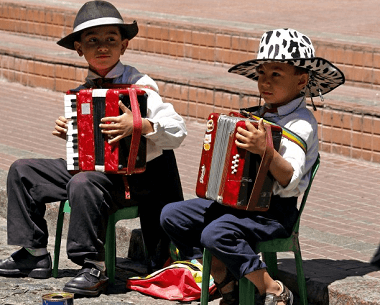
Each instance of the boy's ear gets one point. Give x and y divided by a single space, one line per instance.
78 48
124 45
303 80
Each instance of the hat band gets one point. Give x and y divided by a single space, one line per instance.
96 22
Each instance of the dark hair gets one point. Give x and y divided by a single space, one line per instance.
299 70
123 33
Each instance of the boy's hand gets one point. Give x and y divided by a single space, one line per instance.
120 126
253 139
60 127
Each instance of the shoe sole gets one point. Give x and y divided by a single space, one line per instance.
34 273
102 289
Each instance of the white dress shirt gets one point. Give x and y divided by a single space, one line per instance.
296 117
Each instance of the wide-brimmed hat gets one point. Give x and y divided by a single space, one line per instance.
294 48
95 13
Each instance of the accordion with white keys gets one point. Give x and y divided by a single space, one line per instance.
87 149
233 176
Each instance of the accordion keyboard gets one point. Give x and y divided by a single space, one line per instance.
72 132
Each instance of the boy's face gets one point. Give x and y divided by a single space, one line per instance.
102 47
279 84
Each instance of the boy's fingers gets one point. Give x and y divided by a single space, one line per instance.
124 108
63 119
114 139
111 132
261 126
111 119
60 123
109 126
242 133
240 130
250 126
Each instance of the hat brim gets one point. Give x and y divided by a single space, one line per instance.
324 78
128 31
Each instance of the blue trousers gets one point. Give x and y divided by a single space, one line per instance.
229 234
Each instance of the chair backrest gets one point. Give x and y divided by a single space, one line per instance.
314 170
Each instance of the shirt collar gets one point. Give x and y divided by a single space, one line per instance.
288 108
115 72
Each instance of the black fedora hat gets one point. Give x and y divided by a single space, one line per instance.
95 13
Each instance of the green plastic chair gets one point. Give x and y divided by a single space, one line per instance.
269 251
110 245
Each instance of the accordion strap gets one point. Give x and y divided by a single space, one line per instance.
136 133
263 169
286 133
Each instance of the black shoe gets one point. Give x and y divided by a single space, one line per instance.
89 282
22 263
375 261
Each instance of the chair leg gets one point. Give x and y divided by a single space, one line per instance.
147 259
301 278
110 243
207 257
270 259
58 237
246 292
110 249
246 288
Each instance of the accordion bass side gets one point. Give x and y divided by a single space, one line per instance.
228 174
87 148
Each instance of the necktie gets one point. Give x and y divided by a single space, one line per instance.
99 82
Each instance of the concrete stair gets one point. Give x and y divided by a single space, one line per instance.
189 60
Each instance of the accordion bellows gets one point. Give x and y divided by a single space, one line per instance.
227 174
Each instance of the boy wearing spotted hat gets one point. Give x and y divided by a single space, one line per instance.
287 72
101 36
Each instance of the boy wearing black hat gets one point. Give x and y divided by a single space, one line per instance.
287 72
101 36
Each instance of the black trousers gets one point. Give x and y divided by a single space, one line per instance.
376 259
93 196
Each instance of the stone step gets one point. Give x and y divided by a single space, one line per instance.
182 38
348 118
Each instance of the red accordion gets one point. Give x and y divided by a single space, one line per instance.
234 176
87 148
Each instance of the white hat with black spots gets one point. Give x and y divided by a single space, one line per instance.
292 47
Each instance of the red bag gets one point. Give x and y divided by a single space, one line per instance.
181 281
